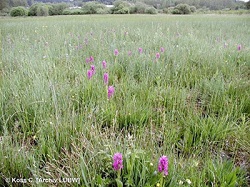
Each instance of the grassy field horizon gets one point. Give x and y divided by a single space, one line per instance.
75 90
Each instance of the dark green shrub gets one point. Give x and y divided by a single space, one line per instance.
124 10
175 11
72 12
57 9
60 7
170 10
51 9
181 9
67 12
166 11
192 9
4 12
42 11
89 8
151 10
120 7
248 5
18 11
140 7
132 9
94 7
102 11
33 9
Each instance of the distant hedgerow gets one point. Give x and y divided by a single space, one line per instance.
142 8
39 9
72 12
42 9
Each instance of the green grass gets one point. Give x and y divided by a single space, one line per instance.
192 104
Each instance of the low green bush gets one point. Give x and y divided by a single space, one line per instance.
175 11
121 7
4 12
72 12
248 5
150 10
182 9
33 9
57 9
94 8
170 10
193 9
42 11
140 7
39 9
18 11
165 11
102 11
133 9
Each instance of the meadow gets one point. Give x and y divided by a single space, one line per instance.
177 86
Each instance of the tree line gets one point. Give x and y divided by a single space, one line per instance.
209 4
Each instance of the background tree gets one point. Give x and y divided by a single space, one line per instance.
42 10
4 4
15 3
248 5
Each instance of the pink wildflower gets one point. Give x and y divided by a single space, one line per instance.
92 69
89 74
111 91
116 52
157 56
162 49
140 50
91 59
163 165
106 78
117 161
239 47
104 64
